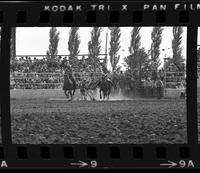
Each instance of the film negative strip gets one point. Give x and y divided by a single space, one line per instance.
99 85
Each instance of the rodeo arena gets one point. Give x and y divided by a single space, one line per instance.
77 105
31 74
77 99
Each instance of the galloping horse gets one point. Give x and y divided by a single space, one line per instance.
88 88
116 82
69 85
105 86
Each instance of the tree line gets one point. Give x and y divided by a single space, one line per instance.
140 63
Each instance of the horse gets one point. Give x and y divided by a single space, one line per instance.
69 85
105 86
116 83
82 88
87 88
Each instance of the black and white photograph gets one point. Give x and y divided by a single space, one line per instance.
0 96
98 85
198 82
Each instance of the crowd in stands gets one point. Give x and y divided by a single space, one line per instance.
175 77
35 80
35 73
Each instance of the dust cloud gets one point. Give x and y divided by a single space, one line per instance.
116 95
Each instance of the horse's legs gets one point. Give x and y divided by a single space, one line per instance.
81 96
71 94
100 93
104 95
89 93
108 94
93 95
95 92
67 95
85 96
92 91
74 91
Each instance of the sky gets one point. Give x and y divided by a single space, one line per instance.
35 41
198 37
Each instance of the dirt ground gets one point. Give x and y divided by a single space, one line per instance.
38 120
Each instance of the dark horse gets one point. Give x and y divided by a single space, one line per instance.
105 86
88 88
69 85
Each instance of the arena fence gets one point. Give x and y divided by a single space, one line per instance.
198 69
46 80
172 79
56 80
174 83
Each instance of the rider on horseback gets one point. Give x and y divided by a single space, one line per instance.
69 73
69 81
83 89
106 77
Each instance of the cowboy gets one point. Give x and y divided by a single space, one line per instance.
182 90
69 73
83 90
149 87
68 69
145 85
159 86
105 77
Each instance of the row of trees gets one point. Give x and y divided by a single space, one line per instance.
138 58
145 64
94 46
139 62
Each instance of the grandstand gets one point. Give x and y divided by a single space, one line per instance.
174 81
38 72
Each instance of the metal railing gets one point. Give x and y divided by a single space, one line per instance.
173 81
52 80
101 57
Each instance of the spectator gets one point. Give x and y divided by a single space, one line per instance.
31 73
145 87
159 87
182 90
149 87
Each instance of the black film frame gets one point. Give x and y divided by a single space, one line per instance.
107 156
